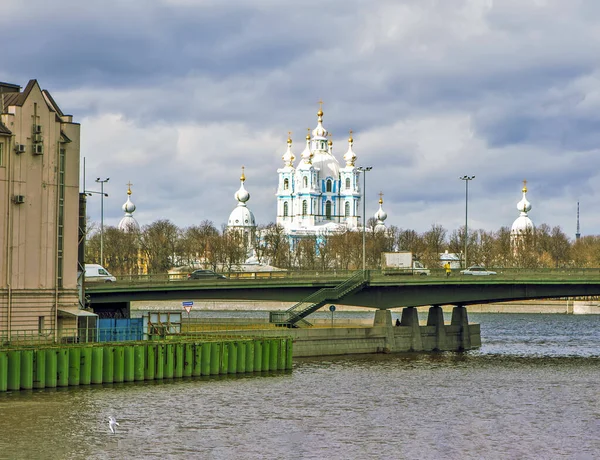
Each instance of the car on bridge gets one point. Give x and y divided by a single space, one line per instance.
478 270
204 274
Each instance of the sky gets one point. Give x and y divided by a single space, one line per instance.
175 96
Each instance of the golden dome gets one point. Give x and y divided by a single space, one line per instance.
524 189
289 141
320 113
350 139
243 177
308 134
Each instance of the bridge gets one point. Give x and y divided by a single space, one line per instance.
373 289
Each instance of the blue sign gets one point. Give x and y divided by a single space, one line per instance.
331 308
188 303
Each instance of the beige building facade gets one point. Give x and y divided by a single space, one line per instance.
39 205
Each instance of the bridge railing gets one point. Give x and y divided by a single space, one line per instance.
339 275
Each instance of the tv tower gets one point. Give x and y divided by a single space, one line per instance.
577 235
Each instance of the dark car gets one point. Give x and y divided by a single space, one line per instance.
204 274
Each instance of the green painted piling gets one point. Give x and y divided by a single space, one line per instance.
197 360
250 356
26 369
232 354
266 355
74 365
178 349
188 359
215 357
258 346
85 376
3 370
160 362
150 370
169 361
241 357
206 355
289 351
273 345
119 364
108 369
62 367
14 370
39 369
139 362
51 367
281 354
97 364
223 368
128 363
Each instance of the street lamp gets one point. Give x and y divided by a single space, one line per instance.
364 170
466 179
102 195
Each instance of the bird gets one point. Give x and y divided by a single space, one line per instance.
112 423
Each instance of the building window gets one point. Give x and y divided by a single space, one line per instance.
347 182
328 186
40 324
286 184
305 181
285 209
304 208
328 210
347 209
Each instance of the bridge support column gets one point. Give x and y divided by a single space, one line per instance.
383 318
410 318
460 318
436 319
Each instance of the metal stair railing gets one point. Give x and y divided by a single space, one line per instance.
294 316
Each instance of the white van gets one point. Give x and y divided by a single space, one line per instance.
96 272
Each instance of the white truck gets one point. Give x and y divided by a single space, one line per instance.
402 263
97 273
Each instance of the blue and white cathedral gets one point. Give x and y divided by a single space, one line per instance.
317 195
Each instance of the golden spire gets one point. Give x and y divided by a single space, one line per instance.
129 184
308 134
380 197
243 177
289 141
524 190
350 138
330 142
320 112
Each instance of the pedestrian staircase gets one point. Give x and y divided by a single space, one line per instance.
294 316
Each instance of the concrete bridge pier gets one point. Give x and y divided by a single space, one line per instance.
460 319
410 318
383 318
435 318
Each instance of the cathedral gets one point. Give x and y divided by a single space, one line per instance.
318 196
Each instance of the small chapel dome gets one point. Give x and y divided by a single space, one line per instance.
128 222
380 216
523 223
241 216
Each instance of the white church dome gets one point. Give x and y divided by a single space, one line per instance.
128 222
241 216
523 223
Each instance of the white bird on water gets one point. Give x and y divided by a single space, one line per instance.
112 423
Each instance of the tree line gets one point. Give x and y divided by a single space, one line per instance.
162 245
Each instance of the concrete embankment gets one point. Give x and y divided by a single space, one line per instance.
72 365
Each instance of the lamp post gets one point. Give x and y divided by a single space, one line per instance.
102 195
466 179
364 170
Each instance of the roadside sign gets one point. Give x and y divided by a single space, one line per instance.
187 303
188 308
331 308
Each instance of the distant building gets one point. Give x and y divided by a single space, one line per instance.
453 259
39 202
522 228
129 224
241 220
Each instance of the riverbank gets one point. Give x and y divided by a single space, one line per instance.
575 307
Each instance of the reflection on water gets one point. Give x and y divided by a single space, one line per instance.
530 392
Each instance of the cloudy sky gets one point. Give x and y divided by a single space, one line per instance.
176 95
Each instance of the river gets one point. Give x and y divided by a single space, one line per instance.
531 391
